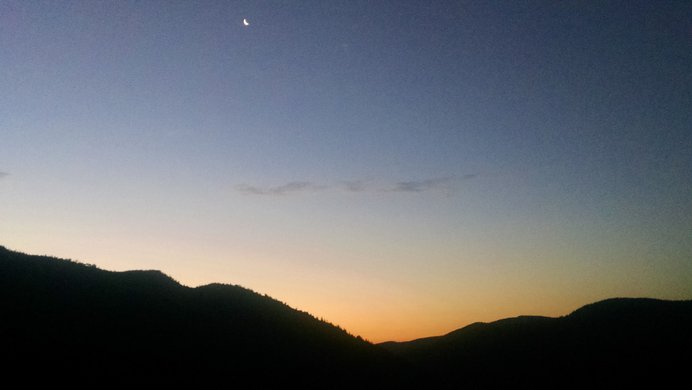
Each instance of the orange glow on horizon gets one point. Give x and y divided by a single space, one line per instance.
376 308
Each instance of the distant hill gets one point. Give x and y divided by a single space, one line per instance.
614 342
72 322
72 319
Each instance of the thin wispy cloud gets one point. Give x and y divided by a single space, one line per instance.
422 185
447 183
284 189
355 186
3 174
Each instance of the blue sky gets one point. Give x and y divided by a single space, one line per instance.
400 168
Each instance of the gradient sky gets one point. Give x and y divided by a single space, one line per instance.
399 168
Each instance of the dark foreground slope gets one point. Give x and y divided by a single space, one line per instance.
63 318
65 321
609 343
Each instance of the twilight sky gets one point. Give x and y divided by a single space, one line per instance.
399 168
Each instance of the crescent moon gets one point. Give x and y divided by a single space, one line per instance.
245 23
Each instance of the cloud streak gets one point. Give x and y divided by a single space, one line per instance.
354 186
3 174
358 186
284 189
421 185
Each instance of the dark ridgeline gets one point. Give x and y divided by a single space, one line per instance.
612 343
77 321
68 321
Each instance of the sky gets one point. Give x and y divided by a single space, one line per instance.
401 169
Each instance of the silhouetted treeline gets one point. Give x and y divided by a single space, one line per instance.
76 319
74 323
612 343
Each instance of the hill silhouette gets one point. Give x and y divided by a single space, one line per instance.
613 342
74 322
65 317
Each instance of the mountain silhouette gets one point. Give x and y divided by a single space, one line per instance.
67 317
73 322
613 342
